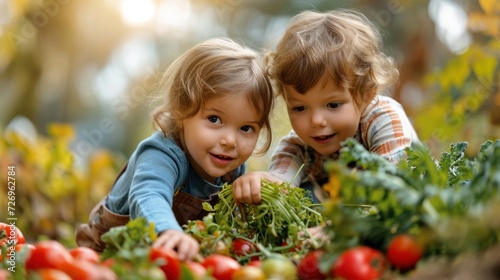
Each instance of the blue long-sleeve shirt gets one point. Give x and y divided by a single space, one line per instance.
156 169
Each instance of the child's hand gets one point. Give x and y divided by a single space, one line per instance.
246 189
186 246
318 234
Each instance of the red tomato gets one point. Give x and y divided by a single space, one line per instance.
221 266
108 262
13 235
193 270
308 267
85 254
360 263
48 254
170 263
51 274
242 247
84 270
20 247
256 263
404 251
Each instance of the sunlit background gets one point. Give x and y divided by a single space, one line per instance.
88 64
83 62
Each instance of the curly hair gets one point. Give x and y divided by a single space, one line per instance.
217 66
341 43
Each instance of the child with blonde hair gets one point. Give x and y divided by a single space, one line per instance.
216 101
335 80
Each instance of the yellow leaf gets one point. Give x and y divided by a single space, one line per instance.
333 186
435 111
484 23
61 131
490 6
100 161
14 139
7 51
496 99
20 7
484 68
455 73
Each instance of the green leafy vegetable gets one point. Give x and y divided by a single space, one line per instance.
283 216
129 248
123 240
447 200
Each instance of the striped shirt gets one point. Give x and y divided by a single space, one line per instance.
384 129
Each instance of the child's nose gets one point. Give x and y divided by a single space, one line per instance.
317 119
228 139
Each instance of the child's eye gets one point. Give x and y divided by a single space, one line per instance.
247 128
214 119
333 105
298 108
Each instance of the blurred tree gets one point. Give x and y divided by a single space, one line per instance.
57 48
49 43
464 91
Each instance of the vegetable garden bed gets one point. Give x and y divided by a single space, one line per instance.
425 218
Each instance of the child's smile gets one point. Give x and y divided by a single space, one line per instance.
323 139
221 159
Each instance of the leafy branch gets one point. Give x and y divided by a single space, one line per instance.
421 195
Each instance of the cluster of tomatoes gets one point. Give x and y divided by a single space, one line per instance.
363 262
49 259
360 263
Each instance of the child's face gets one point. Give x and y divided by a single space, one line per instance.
324 116
221 136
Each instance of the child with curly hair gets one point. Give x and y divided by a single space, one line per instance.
335 80
216 101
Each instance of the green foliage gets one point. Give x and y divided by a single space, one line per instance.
122 242
283 215
447 202
128 246
466 83
269 221
459 90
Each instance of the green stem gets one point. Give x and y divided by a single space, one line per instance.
296 174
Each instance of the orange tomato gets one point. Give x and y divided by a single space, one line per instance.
85 253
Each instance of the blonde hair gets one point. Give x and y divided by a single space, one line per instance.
343 44
217 66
